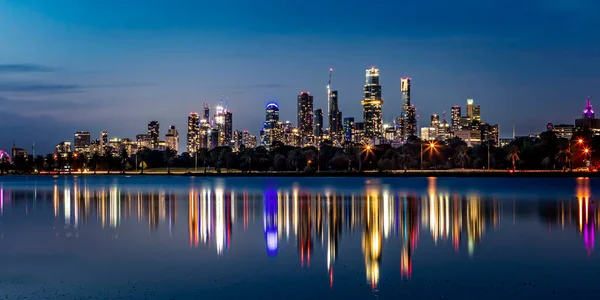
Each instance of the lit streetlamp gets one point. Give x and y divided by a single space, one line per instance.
430 146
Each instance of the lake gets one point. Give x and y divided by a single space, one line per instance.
175 237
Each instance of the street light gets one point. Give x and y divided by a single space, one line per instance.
430 146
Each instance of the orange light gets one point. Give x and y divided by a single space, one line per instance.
368 147
580 141
586 150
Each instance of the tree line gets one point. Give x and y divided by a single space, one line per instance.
546 152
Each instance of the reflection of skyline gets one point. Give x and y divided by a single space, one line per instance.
306 220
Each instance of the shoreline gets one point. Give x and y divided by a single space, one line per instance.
369 174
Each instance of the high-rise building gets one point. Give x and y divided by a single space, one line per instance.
154 133
219 120
455 115
206 115
318 131
305 117
63 149
248 140
359 132
588 119
228 127
143 140
348 130
473 112
435 120
95 146
172 139
193 133
272 128
411 121
103 142
335 121
490 133
82 142
372 106
213 139
406 120
238 138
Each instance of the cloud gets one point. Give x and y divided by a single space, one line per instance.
24 68
25 87
43 105
257 86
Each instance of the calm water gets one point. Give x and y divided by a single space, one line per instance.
284 238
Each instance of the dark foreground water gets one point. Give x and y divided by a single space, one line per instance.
284 238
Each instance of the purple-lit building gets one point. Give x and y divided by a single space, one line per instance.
588 119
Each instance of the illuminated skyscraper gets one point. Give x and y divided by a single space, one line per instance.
172 139
228 127
272 130
348 130
82 142
305 118
335 118
473 112
455 114
193 132
318 132
372 103
435 120
154 133
103 142
206 115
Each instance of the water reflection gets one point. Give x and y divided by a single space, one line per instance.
301 218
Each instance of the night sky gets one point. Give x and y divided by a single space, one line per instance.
69 65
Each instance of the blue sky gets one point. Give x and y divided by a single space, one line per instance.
69 65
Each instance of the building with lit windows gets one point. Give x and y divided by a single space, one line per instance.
359 132
564 131
473 112
407 122
248 140
63 149
490 133
455 115
228 127
588 119
372 106
305 114
154 133
193 132
348 130
318 131
272 127
103 142
172 139
82 142
335 118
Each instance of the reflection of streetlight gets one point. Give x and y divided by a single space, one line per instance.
431 146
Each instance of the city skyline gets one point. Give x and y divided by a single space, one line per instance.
79 81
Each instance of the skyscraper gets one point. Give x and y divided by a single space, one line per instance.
219 120
193 133
372 102
103 142
172 139
228 127
473 112
335 122
206 115
455 115
271 131
404 108
237 139
305 118
318 131
411 121
154 133
348 130
435 120
82 142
